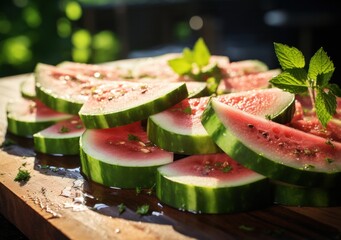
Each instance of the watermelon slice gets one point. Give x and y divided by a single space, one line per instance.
179 128
61 138
63 90
274 150
249 81
26 117
293 195
212 183
121 103
245 67
121 157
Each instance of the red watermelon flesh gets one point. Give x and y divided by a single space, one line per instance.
211 170
128 144
69 127
248 81
305 120
34 110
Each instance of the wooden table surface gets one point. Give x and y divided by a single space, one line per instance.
45 207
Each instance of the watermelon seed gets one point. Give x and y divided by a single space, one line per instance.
329 160
308 166
32 108
265 134
98 75
64 129
330 143
145 150
250 125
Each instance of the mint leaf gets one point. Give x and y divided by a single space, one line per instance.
187 55
121 208
321 68
132 137
289 83
142 210
325 105
212 84
201 54
335 89
289 57
180 65
299 73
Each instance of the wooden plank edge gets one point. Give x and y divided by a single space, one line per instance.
37 209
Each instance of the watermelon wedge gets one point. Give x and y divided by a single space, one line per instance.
274 150
61 138
26 117
121 103
212 183
179 129
121 157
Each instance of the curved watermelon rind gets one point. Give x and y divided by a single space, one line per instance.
53 146
56 102
231 145
25 128
179 143
140 112
112 175
293 195
286 115
205 200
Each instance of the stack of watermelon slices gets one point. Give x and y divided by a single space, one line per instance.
116 149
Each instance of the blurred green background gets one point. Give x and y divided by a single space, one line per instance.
89 31
50 31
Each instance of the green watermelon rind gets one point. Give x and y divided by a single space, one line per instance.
62 146
180 143
293 195
197 89
231 145
25 128
217 199
112 175
49 144
57 103
141 111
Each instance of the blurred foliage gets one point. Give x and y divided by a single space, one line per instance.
33 31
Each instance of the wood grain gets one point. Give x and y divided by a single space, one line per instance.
40 210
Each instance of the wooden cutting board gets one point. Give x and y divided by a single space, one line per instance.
50 206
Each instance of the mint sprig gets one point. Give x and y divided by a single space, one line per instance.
193 64
296 79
